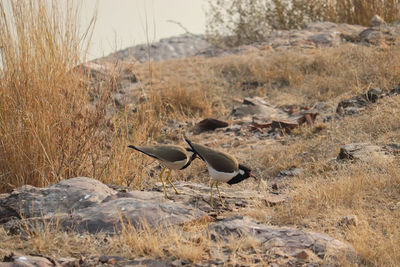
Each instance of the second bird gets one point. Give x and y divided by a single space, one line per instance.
221 166
170 156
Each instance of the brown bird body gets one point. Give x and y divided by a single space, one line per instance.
222 167
170 156
218 160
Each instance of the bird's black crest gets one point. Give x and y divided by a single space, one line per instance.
193 149
193 157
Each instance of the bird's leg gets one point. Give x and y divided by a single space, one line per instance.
211 190
219 194
169 181
165 189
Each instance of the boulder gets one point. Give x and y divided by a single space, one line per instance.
285 245
88 205
181 46
16 260
63 197
358 103
136 208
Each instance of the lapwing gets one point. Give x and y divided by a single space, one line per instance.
172 157
222 167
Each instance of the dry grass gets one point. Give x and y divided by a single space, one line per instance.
325 192
191 243
44 108
51 130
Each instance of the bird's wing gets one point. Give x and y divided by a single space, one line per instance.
167 153
218 160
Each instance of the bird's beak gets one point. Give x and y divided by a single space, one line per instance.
251 175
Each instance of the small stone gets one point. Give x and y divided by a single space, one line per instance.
303 255
176 263
103 259
349 220
210 124
68 262
376 21
275 186
293 171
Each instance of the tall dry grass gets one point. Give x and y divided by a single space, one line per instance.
47 130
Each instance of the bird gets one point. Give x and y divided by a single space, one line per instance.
222 167
173 157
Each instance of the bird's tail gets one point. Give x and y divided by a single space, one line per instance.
144 152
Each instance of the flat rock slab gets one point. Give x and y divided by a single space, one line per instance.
257 106
181 46
369 153
87 205
106 217
284 245
234 197
63 197
17 260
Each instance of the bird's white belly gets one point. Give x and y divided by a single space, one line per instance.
221 176
174 165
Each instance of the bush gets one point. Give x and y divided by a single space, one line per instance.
236 22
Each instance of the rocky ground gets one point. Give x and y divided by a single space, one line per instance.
85 206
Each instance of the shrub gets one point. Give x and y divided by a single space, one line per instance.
236 22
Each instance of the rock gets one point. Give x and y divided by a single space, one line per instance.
358 103
379 36
15 260
69 262
146 262
288 244
305 255
210 124
256 106
348 220
394 91
265 119
95 71
87 205
293 171
251 85
63 197
368 152
325 38
137 207
181 46
198 195
376 21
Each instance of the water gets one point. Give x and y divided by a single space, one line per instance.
125 23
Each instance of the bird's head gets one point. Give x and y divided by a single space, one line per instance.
243 174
